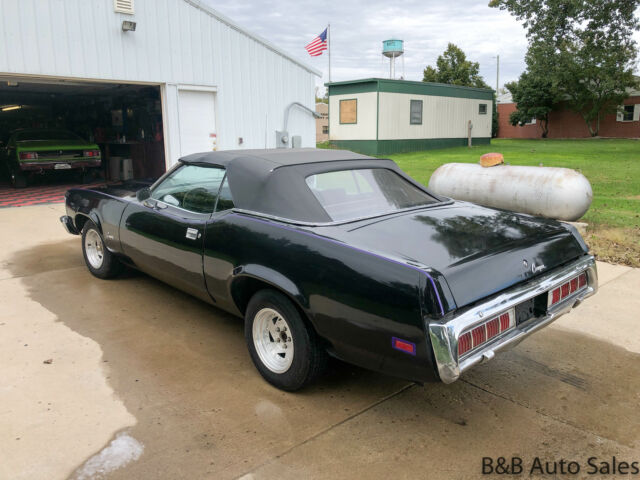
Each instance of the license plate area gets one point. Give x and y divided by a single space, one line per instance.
532 308
62 166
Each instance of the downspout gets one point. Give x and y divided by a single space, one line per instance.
282 136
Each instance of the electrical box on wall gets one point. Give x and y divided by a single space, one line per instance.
282 139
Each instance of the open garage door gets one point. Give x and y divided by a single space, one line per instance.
197 121
61 132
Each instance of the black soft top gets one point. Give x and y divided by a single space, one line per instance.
273 181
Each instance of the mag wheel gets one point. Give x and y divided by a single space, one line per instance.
286 352
100 261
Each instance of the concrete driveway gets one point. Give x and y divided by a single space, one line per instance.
130 378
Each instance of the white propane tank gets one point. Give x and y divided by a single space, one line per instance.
559 193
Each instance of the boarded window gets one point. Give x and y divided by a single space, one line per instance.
349 111
482 110
415 115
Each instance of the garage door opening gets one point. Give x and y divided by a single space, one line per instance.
53 132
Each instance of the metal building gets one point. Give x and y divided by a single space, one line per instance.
381 116
132 72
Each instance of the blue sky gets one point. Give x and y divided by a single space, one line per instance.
358 28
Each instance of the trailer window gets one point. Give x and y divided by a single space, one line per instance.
415 114
350 194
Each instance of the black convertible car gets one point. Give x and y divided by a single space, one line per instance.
328 252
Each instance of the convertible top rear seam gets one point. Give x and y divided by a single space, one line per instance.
310 234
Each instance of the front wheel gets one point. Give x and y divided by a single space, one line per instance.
100 261
286 352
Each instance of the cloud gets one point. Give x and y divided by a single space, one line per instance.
359 27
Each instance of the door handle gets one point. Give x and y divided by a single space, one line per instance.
192 234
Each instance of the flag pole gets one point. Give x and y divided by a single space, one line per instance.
329 45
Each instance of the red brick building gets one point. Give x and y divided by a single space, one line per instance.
564 123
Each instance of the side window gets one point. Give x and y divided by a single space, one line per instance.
482 109
415 114
225 202
191 187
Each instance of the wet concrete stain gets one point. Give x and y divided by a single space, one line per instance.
182 368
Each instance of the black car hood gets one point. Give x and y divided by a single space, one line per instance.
479 251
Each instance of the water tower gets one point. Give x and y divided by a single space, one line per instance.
391 49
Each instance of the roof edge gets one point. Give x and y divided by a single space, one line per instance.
407 82
230 23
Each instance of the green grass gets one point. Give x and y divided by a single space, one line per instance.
612 167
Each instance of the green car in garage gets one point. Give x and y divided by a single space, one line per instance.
35 151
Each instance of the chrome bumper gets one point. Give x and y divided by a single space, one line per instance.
67 222
444 336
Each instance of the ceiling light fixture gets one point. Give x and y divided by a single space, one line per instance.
11 107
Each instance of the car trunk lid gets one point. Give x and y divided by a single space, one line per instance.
479 251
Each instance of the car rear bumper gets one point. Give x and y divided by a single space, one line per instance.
444 335
51 165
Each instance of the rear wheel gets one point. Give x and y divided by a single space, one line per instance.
100 261
284 349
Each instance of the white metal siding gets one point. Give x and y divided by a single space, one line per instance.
176 42
365 128
442 117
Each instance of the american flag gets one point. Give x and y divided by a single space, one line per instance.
317 45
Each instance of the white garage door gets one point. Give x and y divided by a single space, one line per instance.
197 121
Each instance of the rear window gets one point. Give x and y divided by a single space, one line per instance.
350 194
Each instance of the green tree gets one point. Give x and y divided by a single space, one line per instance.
535 98
453 67
583 48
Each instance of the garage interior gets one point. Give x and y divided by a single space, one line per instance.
125 120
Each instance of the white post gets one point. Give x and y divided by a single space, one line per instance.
329 48
498 76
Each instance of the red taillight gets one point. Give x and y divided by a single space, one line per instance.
485 332
574 285
28 155
493 328
567 289
505 322
464 344
91 153
479 335
582 280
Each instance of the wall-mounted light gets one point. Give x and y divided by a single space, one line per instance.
128 26
8 108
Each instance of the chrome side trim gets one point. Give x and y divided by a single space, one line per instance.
444 336
339 222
